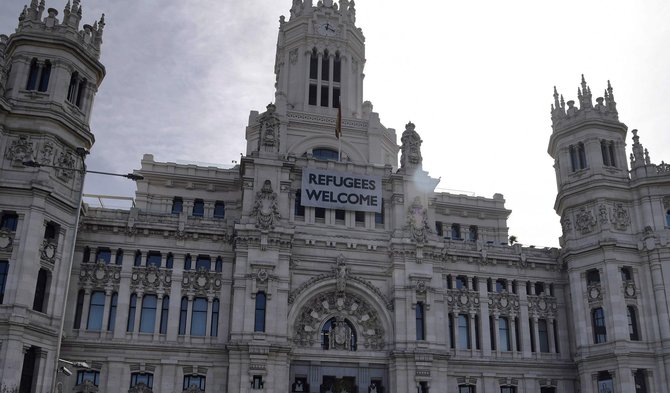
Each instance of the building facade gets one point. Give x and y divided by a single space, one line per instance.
323 262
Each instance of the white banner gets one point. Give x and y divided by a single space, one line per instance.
341 190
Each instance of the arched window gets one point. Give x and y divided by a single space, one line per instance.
323 153
132 306
198 208
338 334
40 300
632 323
165 312
578 156
44 77
199 317
420 322
111 321
218 265
214 331
169 261
32 75
187 262
259 317
183 313
119 257
148 314
599 328
79 309
95 311
177 205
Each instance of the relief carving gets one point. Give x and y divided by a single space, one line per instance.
585 221
542 306
269 129
265 209
6 239
504 303
462 300
99 275
46 153
48 250
620 217
417 222
151 279
19 151
65 160
201 282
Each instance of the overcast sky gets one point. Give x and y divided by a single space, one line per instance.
476 77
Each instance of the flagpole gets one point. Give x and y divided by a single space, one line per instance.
338 129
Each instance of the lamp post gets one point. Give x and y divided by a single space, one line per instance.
82 153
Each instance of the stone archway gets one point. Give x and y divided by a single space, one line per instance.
326 305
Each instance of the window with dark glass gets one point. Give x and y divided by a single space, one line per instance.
336 97
477 343
198 208
169 261
138 258
325 66
51 231
79 309
492 332
503 334
547 389
132 306
667 218
599 328
218 265
508 389
339 215
88 375
103 255
95 311
44 77
543 334
379 217
187 262
464 331
183 314
452 330
640 379
626 274
607 149
438 228
28 370
214 330
165 312
257 382
111 321
337 68
312 94
86 255
4 271
314 65
539 288
142 378
455 231
298 208
259 317
177 205
325 154
461 282
194 380
592 277
199 317
219 209
556 347
605 382
154 258
420 322
466 389
148 313
501 285
578 157
76 90
632 323
473 233
9 221
359 217
33 73
40 299
319 213
423 387
203 262
531 325
119 257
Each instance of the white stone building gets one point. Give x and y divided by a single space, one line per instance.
318 264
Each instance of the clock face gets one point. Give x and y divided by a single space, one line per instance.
327 29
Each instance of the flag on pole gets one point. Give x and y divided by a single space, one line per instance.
338 122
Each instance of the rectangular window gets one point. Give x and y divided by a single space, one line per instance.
88 375
503 334
531 324
359 217
9 221
4 269
103 255
40 299
466 389
420 322
492 332
111 321
312 95
438 228
219 209
319 213
632 323
324 96
461 282
640 377
325 67
463 331
199 317
154 258
198 208
148 314
165 312
214 331
198 381
96 311
543 334
183 314
298 209
313 66
337 69
605 382
177 205
592 277
455 232
259 317
336 97
473 233
142 378
79 309
452 336
508 389
501 285
339 215
599 328
203 262
130 326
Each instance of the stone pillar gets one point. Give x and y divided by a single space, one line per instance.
496 332
456 332
138 313
536 334
318 79
159 315
512 333
105 315
331 72
208 323
189 312
85 309
552 335
473 332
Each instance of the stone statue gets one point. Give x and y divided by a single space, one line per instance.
266 210
411 147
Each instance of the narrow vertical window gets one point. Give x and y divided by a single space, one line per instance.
218 265
44 77
599 328
111 321
214 331
187 262
555 323
165 312
667 218
581 152
464 332
336 97
199 317
492 332
32 75
28 370
543 335
40 299
632 323
337 68
503 334
119 257
198 208
130 326
379 217
138 258
455 231
154 258
325 70
314 65
177 205
420 322
312 94
95 311
339 215
531 325
626 274
452 336
79 309
169 261
219 209
473 233
324 95
183 313
148 313
477 344
73 88
259 318
4 268
438 228
203 262
298 209
81 93
605 382
10 220
640 378
87 255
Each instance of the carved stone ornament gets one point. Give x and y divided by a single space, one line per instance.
99 275
620 217
293 56
421 287
20 150
6 239
46 153
341 273
417 222
65 160
202 281
462 300
411 147
327 305
629 290
602 212
585 222
140 388
542 306
48 250
86 387
262 275
265 209
269 122
151 278
504 302
566 224
594 293
192 389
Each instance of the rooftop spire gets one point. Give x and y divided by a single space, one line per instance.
605 107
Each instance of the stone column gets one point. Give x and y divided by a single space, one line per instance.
85 309
473 332
552 335
331 72
512 333
496 332
208 323
105 315
318 79
138 314
536 334
455 326
187 331
159 315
